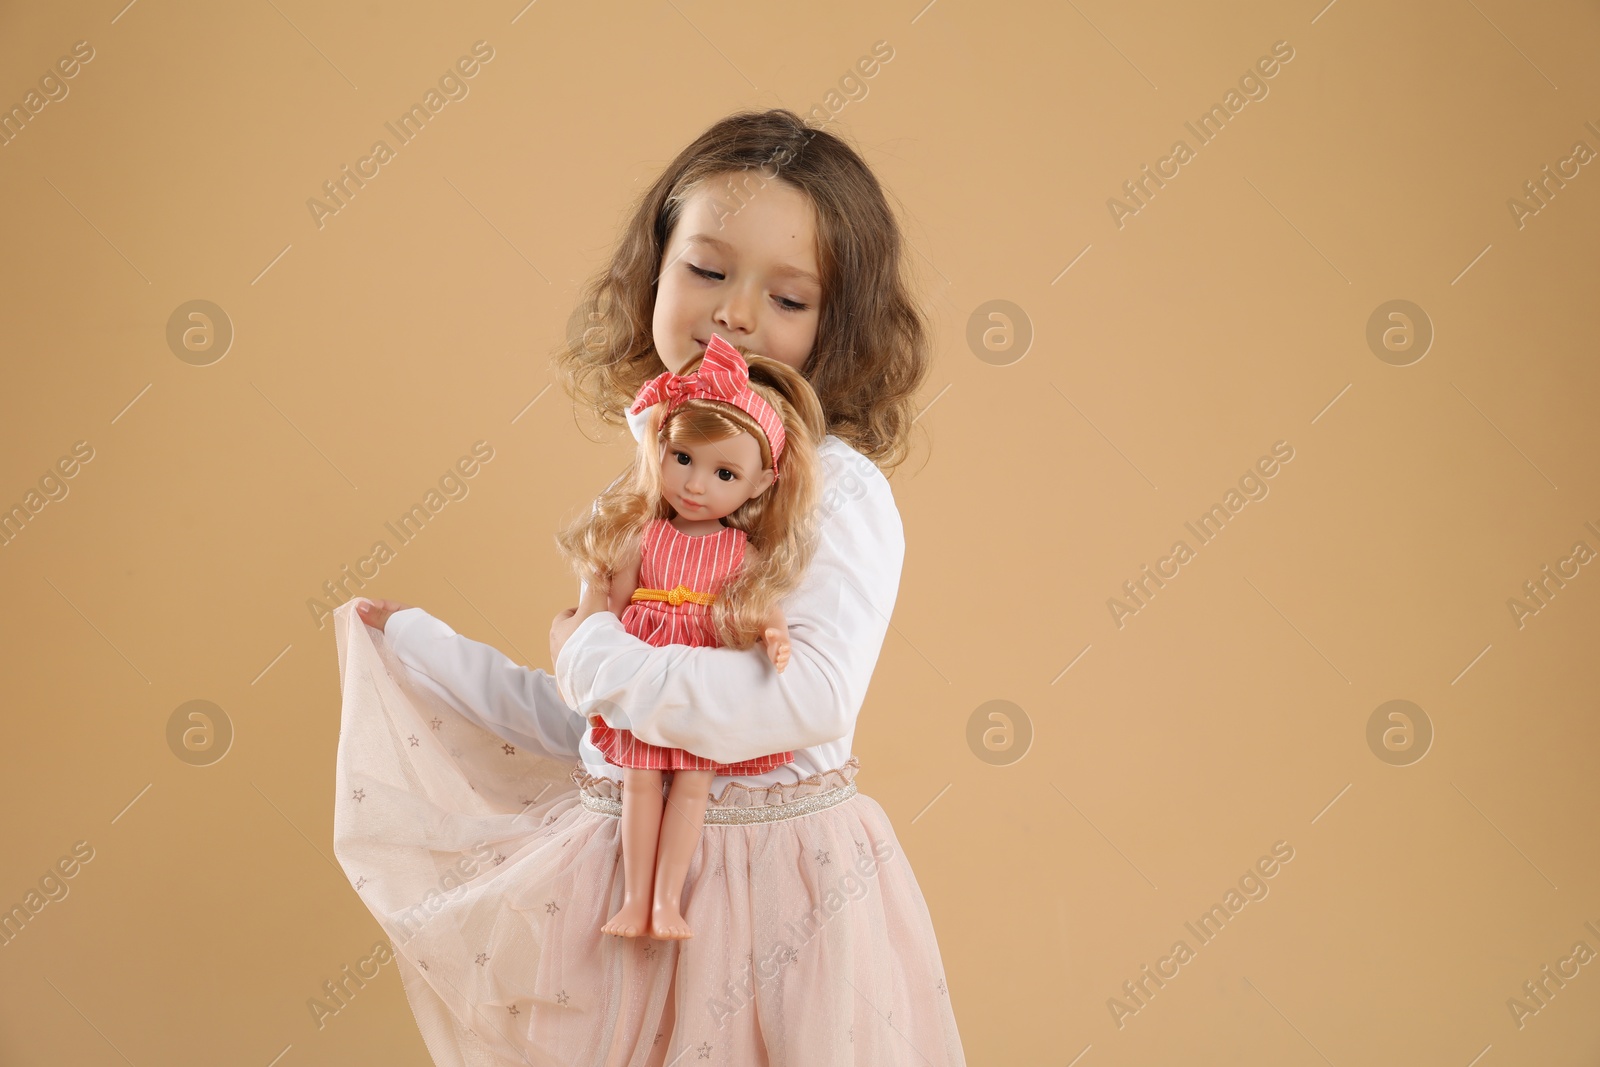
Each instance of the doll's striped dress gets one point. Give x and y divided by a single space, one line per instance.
668 559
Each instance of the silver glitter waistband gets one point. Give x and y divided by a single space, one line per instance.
741 815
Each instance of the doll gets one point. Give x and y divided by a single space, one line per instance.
720 512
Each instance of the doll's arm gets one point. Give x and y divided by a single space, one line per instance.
614 593
730 704
623 584
613 597
775 629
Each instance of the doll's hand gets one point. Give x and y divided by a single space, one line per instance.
777 642
377 612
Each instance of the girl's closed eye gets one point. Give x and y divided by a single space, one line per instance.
784 302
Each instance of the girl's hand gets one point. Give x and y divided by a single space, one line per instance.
560 629
377 613
594 599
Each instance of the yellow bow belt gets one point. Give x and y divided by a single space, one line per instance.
674 596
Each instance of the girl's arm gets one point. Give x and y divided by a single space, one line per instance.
517 703
731 704
523 705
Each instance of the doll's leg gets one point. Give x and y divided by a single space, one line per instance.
680 832
641 823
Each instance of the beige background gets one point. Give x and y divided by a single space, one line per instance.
1228 314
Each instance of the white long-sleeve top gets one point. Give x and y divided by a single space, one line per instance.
723 703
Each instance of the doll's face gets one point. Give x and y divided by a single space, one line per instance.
743 267
712 479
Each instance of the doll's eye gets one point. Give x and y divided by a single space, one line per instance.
724 470
683 458
704 273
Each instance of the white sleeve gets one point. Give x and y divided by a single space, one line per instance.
730 704
517 703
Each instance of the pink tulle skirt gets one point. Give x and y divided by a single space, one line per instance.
492 869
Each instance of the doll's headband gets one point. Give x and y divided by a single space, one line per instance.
722 375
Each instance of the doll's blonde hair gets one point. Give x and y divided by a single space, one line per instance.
780 525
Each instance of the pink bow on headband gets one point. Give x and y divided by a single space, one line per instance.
722 375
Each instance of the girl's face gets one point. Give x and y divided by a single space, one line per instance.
744 267
712 479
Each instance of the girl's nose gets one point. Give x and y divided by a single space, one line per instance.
735 313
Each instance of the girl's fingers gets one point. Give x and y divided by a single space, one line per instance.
377 612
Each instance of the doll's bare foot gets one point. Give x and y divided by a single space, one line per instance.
667 924
777 643
631 920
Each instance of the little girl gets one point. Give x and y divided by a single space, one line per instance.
704 504
455 817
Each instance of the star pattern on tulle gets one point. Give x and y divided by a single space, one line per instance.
483 957
509 748
861 849
514 1010
561 998
361 881
551 907
358 794
705 1051
659 1036
822 858
791 954
456 752
719 870
423 964
852 1033
413 740
650 953
940 987
498 859
436 723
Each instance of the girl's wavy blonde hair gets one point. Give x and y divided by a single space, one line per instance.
780 525
871 352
